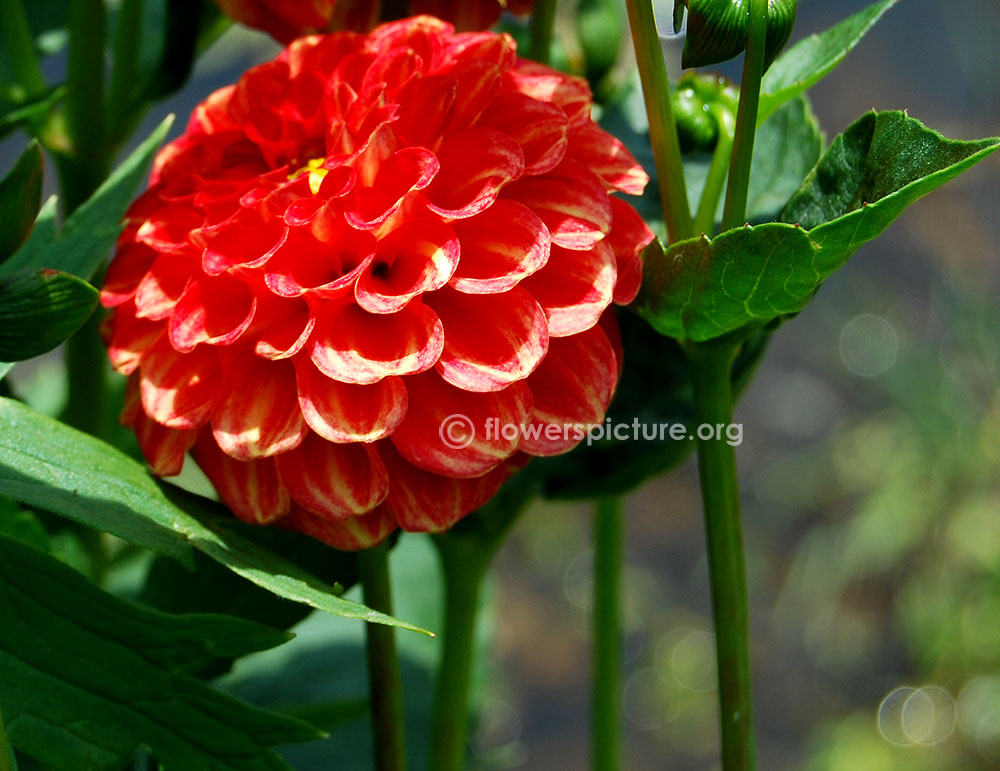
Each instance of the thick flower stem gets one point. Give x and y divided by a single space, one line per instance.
606 720
126 55
384 679
662 128
710 365
543 21
20 46
746 118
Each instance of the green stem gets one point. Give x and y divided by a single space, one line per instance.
126 57
385 681
662 128
608 549
746 118
20 46
704 221
5 750
85 78
543 21
710 365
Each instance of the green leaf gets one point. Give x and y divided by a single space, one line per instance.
787 148
22 114
701 289
20 199
39 309
813 58
91 230
48 465
87 678
872 172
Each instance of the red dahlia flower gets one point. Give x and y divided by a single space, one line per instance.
359 239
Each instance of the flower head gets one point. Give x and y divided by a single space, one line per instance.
353 245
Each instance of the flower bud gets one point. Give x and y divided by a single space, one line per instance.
717 29
693 103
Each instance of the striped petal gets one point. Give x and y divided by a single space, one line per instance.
541 129
456 433
608 158
163 448
322 267
499 247
162 286
251 489
216 311
424 502
628 237
284 335
490 341
334 480
574 288
404 173
351 534
244 239
475 165
541 82
125 272
354 346
572 389
179 390
347 412
259 414
415 258
571 201
130 338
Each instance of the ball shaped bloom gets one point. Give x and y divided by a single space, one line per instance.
373 277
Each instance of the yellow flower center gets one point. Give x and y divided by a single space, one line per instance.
316 173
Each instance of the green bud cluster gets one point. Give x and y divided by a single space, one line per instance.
717 29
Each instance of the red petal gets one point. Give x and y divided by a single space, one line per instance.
456 433
243 239
475 165
572 389
574 288
251 489
163 285
347 412
540 128
354 346
405 172
608 158
628 237
284 331
179 390
334 480
415 258
490 340
326 268
548 85
430 503
130 339
499 247
259 414
351 534
168 228
216 311
163 448
478 84
125 272
425 107
571 201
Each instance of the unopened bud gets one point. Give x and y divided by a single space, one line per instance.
717 29
696 102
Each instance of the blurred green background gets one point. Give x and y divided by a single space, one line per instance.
871 479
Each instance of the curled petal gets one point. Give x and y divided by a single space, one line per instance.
548 85
540 128
415 258
347 412
499 247
475 165
490 341
351 534
243 239
258 416
162 286
572 390
334 480
431 503
608 158
125 272
456 433
169 228
407 171
216 311
323 267
251 489
571 201
425 108
130 338
179 390
354 346
628 237
163 448
574 288
285 332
